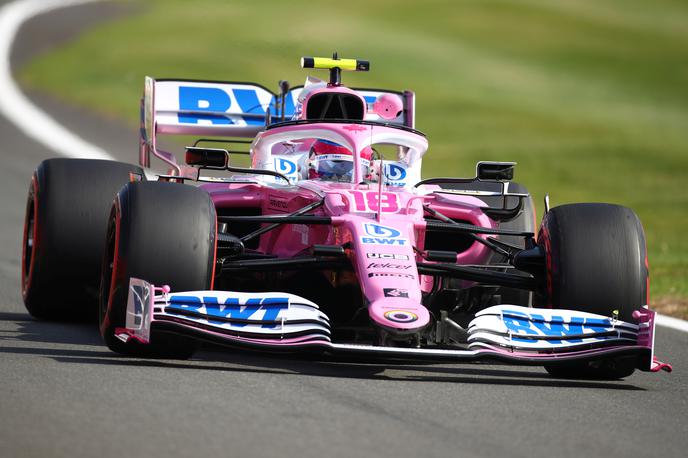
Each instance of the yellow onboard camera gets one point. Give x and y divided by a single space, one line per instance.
335 65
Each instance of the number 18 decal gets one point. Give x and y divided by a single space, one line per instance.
366 201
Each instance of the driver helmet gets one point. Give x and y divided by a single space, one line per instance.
333 162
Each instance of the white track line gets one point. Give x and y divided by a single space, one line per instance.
14 106
38 125
670 322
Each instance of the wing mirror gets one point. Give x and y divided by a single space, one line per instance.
207 157
495 171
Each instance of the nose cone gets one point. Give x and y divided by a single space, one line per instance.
399 315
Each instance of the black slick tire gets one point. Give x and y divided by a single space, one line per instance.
163 233
596 262
67 210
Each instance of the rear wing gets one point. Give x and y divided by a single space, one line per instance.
227 109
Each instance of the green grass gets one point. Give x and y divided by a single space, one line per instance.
589 97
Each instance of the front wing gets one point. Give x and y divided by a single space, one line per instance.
282 321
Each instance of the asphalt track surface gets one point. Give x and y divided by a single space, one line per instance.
62 393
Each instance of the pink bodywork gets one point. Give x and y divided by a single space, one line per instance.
384 266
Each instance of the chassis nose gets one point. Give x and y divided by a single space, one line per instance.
398 315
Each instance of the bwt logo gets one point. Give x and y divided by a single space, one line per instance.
382 235
376 230
394 172
535 325
231 309
285 166
217 101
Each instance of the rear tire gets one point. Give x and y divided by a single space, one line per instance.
66 218
163 233
596 262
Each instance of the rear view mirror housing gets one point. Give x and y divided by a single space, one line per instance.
495 171
212 158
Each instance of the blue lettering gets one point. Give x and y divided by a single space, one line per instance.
203 99
378 241
210 302
272 306
231 308
186 303
249 103
521 323
594 324
518 323
556 327
288 106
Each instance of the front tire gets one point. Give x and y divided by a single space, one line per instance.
163 233
596 262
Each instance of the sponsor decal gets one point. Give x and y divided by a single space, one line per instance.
285 166
398 257
278 203
395 174
213 99
536 325
390 274
401 316
332 156
377 230
267 308
383 241
225 98
382 235
387 265
354 128
395 292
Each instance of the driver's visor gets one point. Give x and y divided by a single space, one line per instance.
336 167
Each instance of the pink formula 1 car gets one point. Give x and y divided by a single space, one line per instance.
330 241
